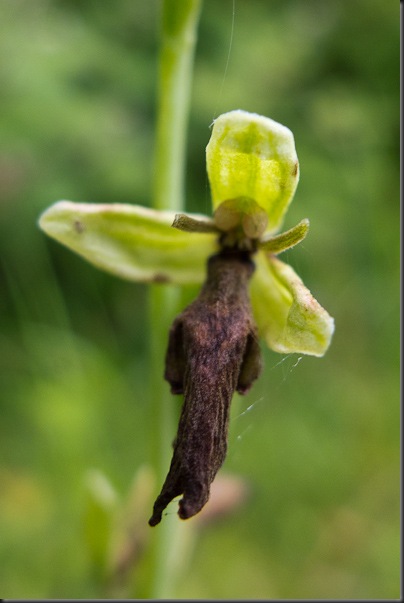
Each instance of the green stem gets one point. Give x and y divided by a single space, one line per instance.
179 24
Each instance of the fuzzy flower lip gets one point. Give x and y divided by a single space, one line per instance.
253 172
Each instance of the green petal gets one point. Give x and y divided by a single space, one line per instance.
287 315
189 223
250 157
130 241
286 240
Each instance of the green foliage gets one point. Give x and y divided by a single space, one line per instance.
319 449
98 522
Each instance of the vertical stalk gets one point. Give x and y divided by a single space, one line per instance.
178 37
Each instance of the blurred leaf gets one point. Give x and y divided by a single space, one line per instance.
98 518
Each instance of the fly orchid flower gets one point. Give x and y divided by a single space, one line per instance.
213 351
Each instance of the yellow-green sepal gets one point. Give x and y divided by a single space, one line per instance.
251 157
288 317
130 241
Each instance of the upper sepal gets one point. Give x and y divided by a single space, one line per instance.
252 158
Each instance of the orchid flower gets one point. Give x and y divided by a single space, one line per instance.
213 346
253 173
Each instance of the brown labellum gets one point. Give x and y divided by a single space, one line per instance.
212 352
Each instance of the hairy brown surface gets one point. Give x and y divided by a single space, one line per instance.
212 352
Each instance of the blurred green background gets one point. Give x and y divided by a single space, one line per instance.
319 448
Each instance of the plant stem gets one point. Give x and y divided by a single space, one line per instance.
179 24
